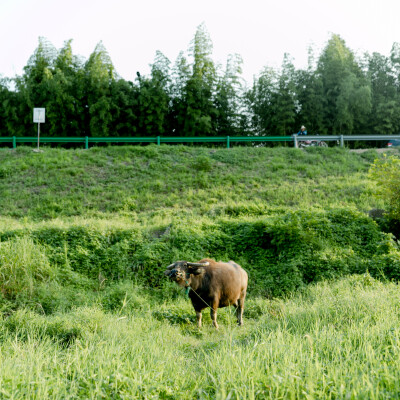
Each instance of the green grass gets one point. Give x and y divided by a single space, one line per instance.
76 224
141 181
335 340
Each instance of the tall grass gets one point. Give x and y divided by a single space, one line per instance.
335 340
23 264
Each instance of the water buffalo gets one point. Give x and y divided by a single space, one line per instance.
211 284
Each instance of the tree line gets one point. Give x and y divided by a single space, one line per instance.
337 93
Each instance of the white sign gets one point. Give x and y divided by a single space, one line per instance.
39 115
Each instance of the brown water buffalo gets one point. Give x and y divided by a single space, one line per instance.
212 284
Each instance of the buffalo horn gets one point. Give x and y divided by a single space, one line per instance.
201 264
171 266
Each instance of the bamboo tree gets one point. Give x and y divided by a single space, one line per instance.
154 98
200 87
99 74
284 100
64 107
310 99
178 107
35 84
345 88
260 100
229 98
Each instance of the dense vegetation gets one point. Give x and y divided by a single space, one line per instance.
338 340
87 313
338 93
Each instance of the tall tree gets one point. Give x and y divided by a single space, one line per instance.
154 98
260 99
284 99
200 87
65 107
228 99
310 99
345 88
99 75
35 84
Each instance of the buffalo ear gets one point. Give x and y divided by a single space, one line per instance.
195 270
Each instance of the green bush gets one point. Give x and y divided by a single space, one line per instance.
386 173
203 163
281 252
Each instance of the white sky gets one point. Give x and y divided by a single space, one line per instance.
261 31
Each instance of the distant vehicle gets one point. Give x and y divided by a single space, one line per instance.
312 143
393 143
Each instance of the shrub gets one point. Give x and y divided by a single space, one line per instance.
203 163
386 173
281 252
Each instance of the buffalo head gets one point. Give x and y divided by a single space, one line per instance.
180 271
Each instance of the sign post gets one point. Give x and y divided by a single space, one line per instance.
39 118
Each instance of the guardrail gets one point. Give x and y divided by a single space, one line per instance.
342 138
157 139
86 140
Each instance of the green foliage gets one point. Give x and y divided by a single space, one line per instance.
203 163
282 252
26 325
86 311
332 340
23 265
140 181
386 173
337 93
279 212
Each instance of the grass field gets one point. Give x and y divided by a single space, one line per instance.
336 340
142 181
74 324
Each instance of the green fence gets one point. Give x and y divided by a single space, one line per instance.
227 140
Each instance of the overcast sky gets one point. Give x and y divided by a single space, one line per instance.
261 31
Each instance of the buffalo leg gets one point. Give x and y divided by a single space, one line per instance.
213 313
198 316
239 309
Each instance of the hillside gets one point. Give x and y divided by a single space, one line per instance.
86 311
143 181
290 216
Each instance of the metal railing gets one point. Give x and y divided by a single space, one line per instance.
342 138
86 140
227 140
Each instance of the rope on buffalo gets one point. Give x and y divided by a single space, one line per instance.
188 288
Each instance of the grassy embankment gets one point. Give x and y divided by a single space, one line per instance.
144 182
75 223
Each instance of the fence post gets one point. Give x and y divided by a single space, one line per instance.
341 141
14 142
295 141
86 142
158 140
228 142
